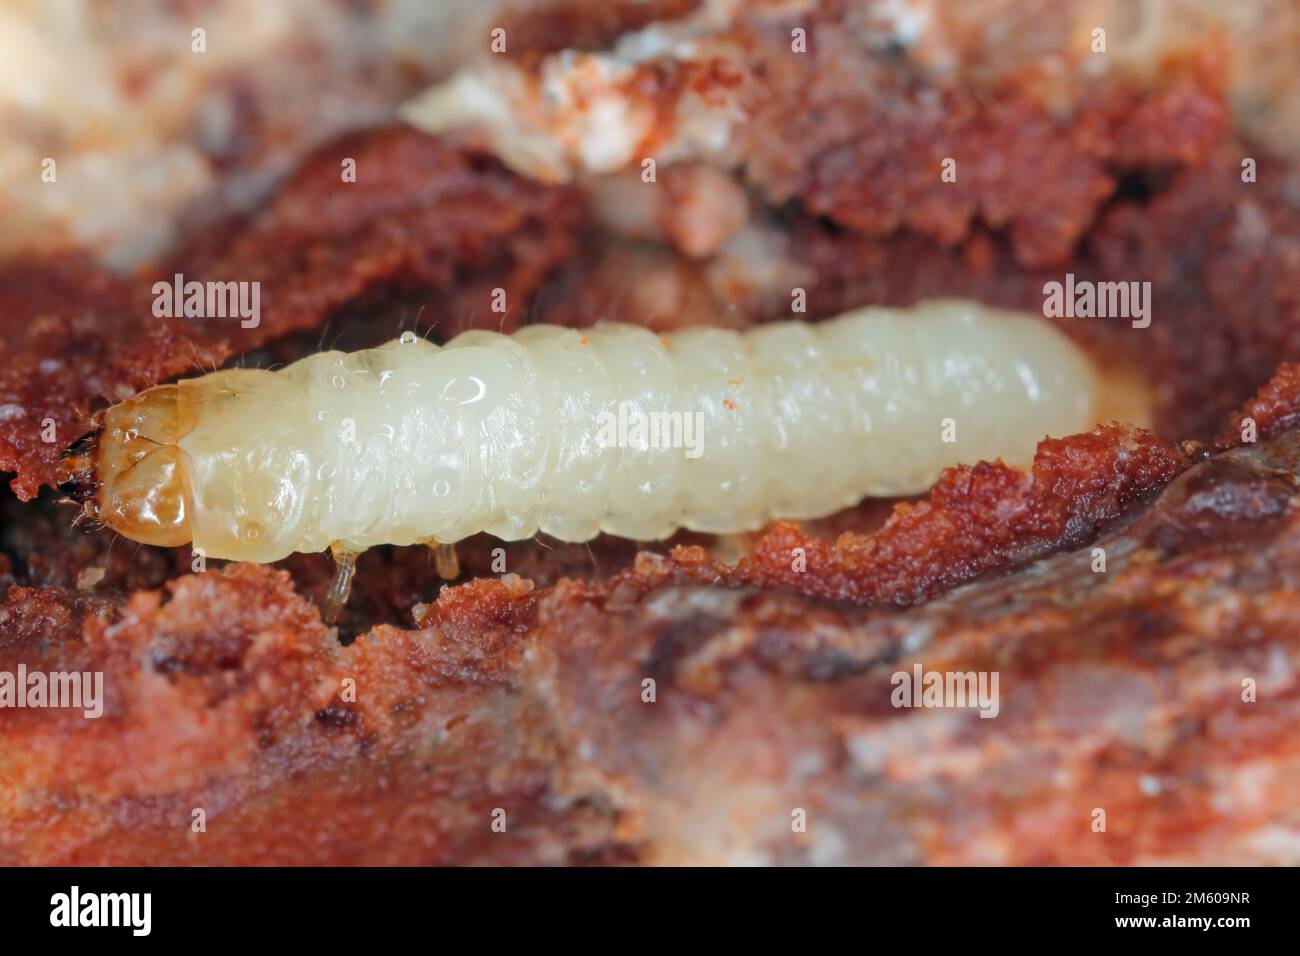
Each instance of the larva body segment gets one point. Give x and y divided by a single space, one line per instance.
410 441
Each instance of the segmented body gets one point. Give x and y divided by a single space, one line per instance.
537 431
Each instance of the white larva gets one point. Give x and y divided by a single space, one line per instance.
411 442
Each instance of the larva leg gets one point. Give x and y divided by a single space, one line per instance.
445 560
345 566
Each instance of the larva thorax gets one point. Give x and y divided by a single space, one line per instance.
414 442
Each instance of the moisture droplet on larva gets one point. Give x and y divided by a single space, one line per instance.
407 338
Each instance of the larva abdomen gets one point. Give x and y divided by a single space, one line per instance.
511 435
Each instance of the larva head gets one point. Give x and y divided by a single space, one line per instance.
130 475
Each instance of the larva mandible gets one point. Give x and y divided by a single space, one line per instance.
411 442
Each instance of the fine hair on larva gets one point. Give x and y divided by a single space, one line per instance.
548 430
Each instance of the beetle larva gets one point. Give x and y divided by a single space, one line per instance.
411 442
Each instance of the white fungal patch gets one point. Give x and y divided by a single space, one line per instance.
412 441
578 113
